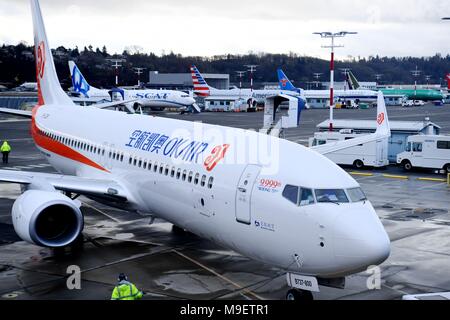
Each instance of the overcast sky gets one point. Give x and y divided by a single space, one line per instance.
209 27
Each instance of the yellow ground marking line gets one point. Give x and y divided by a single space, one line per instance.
362 174
395 176
432 179
219 275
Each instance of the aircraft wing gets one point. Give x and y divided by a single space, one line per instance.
16 112
116 103
46 181
383 132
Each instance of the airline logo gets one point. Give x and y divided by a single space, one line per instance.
152 96
200 86
161 144
217 154
380 118
79 83
40 62
284 82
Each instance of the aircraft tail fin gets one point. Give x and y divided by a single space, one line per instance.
353 83
49 88
383 127
284 82
79 82
201 88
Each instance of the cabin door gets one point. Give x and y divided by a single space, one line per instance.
244 193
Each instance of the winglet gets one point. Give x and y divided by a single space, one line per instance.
49 89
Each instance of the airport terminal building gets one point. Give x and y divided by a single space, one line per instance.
183 81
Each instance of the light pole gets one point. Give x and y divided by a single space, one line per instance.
139 71
416 74
428 78
378 77
116 65
317 76
240 75
251 69
331 36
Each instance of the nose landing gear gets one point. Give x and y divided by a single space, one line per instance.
299 295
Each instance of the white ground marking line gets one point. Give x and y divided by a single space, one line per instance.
433 185
102 212
21 167
15 120
218 275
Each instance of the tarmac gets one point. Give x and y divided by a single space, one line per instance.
169 265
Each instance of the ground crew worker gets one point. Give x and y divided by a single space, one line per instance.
5 149
125 290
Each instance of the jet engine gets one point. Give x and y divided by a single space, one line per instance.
47 219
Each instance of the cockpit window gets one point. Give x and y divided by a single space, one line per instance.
356 195
306 197
291 193
331 195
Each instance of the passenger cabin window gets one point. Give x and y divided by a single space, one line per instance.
197 176
291 193
331 195
417 147
191 174
178 173
203 181
184 175
210 182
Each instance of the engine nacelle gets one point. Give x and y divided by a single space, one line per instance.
48 219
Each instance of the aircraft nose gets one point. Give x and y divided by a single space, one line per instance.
360 240
190 100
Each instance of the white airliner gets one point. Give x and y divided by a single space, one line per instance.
307 217
144 98
249 96
359 95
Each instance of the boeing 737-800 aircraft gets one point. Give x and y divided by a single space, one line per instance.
249 96
361 95
295 210
144 98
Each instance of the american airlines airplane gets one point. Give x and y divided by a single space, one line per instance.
249 96
144 98
294 209
362 95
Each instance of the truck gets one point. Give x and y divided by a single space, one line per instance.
426 151
372 154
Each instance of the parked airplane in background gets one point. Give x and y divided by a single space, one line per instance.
308 217
367 96
145 98
251 97
410 94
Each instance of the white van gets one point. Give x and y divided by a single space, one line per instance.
372 154
426 151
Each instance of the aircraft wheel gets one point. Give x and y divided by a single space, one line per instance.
177 230
299 295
